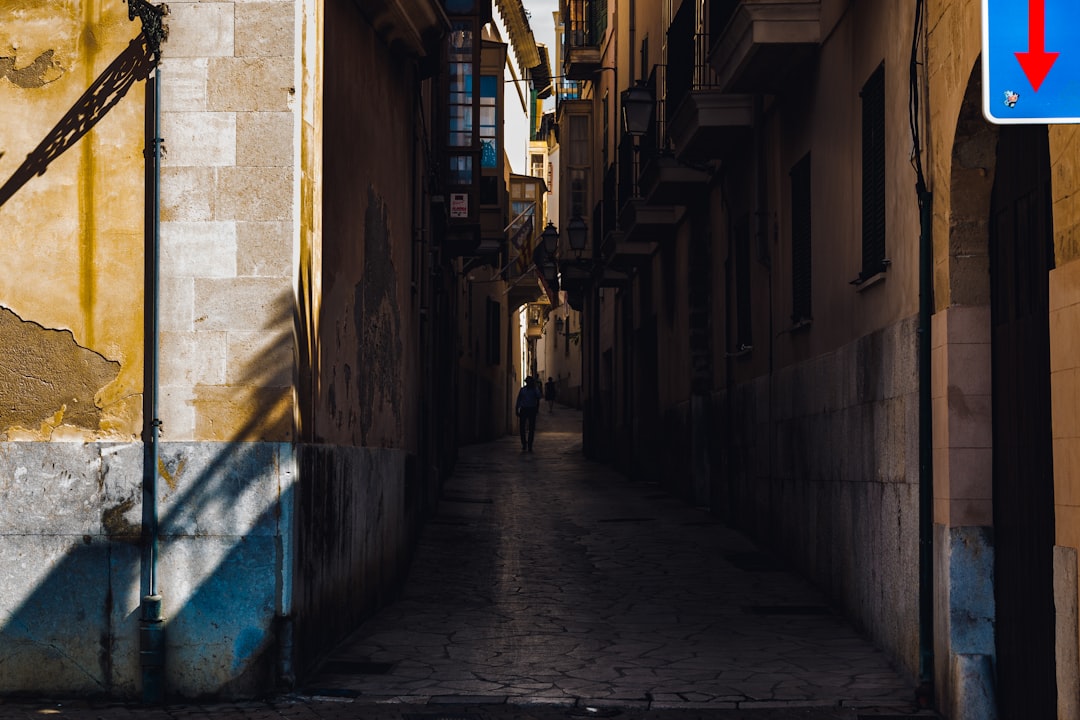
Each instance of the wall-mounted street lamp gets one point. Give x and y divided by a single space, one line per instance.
550 239
578 233
637 113
637 109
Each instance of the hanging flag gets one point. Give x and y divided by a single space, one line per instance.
522 240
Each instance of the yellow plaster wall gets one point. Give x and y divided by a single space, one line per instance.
71 212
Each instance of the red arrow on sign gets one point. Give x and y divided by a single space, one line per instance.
1036 62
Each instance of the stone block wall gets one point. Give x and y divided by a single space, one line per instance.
229 194
819 462
69 603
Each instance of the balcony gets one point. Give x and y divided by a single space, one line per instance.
616 250
585 25
667 181
708 125
646 221
703 122
764 43
646 226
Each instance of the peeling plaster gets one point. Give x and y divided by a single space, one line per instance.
377 325
42 71
48 381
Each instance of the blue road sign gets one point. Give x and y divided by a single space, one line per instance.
1030 61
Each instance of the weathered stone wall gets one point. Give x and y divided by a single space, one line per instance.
70 566
822 464
72 345
367 336
357 515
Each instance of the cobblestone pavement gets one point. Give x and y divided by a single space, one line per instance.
550 587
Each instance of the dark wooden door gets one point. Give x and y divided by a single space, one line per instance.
1021 255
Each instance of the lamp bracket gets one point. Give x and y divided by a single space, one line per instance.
153 24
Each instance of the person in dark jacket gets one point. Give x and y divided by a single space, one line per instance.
549 394
527 406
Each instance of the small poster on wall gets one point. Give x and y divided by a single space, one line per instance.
459 205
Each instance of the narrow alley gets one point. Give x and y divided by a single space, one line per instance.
545 578
547 586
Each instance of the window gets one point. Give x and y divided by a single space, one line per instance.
489 190
800 241
873 176
489 139
606 122
460 69
644 55
536 163
744 338
493 332
579 140
461 170
577 162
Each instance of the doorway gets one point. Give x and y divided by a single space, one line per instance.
1021 255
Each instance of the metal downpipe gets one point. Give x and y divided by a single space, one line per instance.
151 625
926 466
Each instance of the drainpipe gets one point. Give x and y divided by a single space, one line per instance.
925 692
151 627
926 467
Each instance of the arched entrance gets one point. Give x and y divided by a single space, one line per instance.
996 391
1021 256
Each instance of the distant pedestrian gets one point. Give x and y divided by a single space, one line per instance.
549 394
527 406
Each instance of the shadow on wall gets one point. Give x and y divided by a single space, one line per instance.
129 67
74 511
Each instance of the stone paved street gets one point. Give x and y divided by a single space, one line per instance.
548 578
548 586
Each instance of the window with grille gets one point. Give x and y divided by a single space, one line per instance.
873 176
800 241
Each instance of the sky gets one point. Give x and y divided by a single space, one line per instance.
516 130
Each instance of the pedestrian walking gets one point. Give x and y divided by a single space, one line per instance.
527 406
550 392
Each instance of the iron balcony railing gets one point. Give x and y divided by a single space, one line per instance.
689 42
567 90
585 22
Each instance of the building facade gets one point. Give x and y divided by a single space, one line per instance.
218 460
832 302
